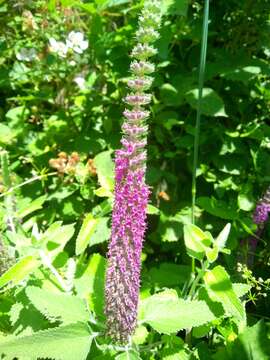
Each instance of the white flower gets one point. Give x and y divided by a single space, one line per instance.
80 81
58 47
76 42
26 54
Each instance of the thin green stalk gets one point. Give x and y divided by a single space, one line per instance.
199 108
9 201
35 178
196 141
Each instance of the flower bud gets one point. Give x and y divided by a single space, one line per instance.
140 84
138 100
136 114
146 35
143 51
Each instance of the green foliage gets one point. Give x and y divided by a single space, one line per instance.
58 307
212 104
19 271
166 313
220 289
62 343
60 123
252 343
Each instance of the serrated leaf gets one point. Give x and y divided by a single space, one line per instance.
241 289
166 313
58 306
88 228
220 289
19 271
67 342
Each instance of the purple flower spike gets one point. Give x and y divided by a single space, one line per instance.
260 215
131 192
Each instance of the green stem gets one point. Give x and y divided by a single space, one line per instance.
38 177
195 283
196 147
8 200
199 108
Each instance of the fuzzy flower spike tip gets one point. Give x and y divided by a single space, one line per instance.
131 192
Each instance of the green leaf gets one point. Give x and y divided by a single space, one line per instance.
7 135
103 192
58 306
212 104
152 210
252 344
105 170
105 4
174 348
29 207
16 116
222 237
219 287
140 335
90 283
174 7
67 342
241 289
169 274
170 95
56 237
245 202
102 232
52 5
196 241
166 313
218 208
212 254
19 271
128 355
88 228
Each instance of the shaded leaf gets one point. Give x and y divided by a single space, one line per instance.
212 104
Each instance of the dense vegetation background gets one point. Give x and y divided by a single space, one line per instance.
60 118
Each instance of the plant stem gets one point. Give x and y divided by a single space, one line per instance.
8 199
196 145
38 177
195 283
47 262
199 108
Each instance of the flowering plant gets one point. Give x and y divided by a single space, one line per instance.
131 192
